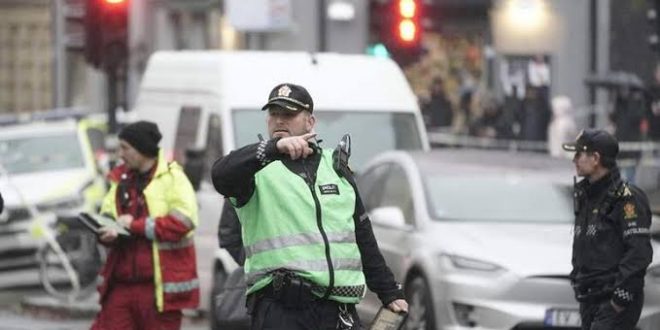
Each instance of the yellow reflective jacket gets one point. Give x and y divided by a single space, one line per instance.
172 205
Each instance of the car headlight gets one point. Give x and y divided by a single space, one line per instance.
461 262
65 204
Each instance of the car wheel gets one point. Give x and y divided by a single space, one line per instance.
421 314
219 278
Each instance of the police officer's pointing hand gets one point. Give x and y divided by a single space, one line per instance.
296 146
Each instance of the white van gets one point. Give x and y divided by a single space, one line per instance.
211 101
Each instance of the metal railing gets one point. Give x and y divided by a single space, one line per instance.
649 151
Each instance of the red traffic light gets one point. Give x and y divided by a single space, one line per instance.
408 21
114 5
106 30
407 31
407 8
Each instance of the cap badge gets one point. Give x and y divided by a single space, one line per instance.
284 91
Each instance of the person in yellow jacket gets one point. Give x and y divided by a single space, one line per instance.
151 274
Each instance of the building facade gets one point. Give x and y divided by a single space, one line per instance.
26 68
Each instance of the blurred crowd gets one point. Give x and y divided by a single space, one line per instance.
527 112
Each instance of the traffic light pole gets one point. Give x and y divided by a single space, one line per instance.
116 77
113 102
106 48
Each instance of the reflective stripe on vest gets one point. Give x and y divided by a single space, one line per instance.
308 266
297 240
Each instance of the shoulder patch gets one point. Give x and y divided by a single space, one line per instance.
629 211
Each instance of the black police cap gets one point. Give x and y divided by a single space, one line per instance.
592 140
290 97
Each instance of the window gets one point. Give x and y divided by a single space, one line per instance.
213 142
41 153
186 132
96 139
501 198
396 192
370 185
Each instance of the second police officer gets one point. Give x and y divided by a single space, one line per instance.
611 244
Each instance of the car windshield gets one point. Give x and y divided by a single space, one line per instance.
371 132
498 199
43 153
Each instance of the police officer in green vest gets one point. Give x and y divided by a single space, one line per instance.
310 250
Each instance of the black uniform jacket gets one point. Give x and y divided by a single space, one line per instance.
229 233
233 176
611 244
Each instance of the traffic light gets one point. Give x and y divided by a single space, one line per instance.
408 22
106 33
395 24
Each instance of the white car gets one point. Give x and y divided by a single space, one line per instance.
50 168
480 239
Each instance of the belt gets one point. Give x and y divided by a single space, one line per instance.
286 278
353 291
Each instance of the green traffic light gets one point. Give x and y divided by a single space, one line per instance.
378 50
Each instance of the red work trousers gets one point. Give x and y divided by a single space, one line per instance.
131 306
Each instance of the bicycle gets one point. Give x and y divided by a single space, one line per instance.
70 260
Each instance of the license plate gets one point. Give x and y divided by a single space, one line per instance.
557 317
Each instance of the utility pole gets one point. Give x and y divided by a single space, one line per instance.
593 56
322 36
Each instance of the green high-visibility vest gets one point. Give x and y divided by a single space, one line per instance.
287 226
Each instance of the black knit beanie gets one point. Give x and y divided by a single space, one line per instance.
143 136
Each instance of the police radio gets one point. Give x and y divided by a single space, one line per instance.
340 156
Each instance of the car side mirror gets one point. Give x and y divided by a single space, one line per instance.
194 166
388 216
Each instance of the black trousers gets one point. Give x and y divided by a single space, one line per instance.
600 315
272 314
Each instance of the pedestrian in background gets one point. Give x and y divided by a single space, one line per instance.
151 275
438 111
308 240
611 243
536 106
562 127
494 122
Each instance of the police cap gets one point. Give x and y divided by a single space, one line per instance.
290 97
592 140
